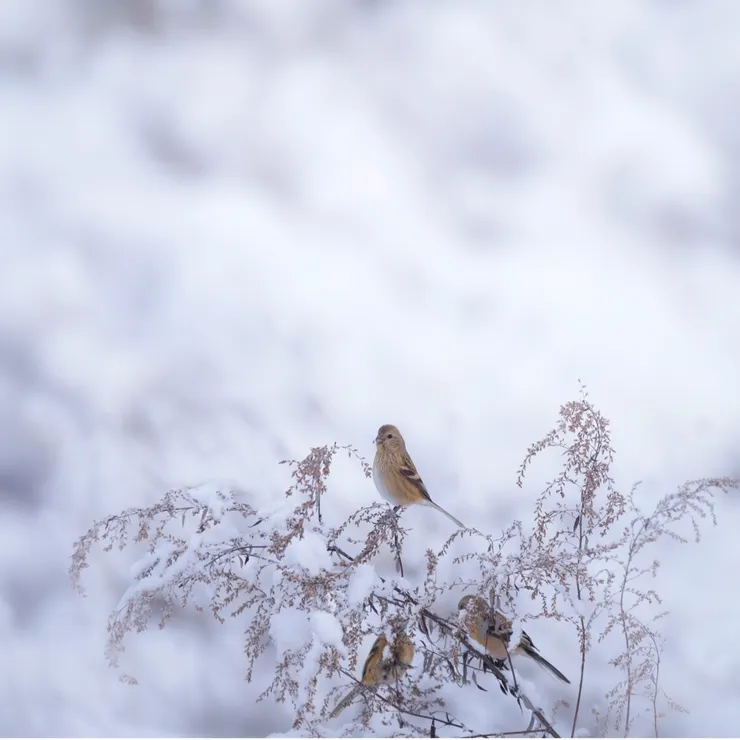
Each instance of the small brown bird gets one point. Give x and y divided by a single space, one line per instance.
378 670
492 630
395 475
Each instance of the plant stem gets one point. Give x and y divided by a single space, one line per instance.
580 681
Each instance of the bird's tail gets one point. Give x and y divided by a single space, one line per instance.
345 702
526 647
446 513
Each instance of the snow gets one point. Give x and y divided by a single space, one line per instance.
327 629
234 231
290 630
147 560
213 495
362 583
308 553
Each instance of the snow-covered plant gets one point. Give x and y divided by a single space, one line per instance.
312 593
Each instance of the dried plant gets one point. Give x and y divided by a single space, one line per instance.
580 559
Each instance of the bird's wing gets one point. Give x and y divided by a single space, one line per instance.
499 626
370 669
410 473
403 651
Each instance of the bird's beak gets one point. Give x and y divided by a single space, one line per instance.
376 440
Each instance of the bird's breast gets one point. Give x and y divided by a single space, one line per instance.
379 477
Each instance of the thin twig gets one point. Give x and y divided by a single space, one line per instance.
512 733
452 629
580 680
655 685
239 548
454 722
396 543
582 621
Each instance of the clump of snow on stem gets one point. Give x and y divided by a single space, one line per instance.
361 584
327 629
308 552
290 630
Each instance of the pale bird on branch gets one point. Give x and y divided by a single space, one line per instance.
379 669
395 475
492 631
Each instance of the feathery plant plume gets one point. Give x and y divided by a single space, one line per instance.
581 558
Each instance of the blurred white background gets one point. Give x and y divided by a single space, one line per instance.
233 229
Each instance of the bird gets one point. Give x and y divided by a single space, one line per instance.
492 630
395 475
378 670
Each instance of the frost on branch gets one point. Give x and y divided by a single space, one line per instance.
312 595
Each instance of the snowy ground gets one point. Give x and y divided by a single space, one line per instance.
232 230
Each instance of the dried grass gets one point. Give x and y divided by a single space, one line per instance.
580 559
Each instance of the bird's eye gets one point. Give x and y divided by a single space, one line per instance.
389 435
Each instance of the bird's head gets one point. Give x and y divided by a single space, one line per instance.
389 438
471 602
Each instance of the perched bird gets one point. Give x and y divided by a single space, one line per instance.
379 670
395 475
402 653
492 630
